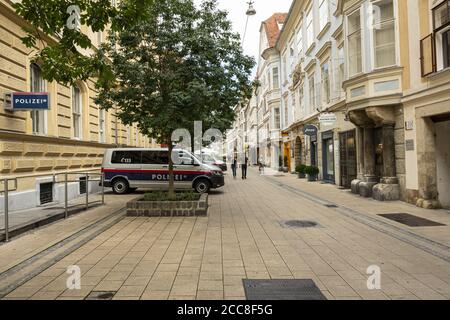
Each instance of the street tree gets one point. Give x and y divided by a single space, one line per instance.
180 64
54 30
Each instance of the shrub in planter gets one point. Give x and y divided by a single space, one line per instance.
300 169
312 173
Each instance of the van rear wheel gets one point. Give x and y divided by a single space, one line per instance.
202 186
120 186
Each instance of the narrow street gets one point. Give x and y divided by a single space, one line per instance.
245 236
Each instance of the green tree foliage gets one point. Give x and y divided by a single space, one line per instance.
62 60
178 65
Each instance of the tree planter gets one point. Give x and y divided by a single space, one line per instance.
140 208
312 177
301 175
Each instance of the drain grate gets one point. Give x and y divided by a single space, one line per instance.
410 220
285 289
299 224
101 295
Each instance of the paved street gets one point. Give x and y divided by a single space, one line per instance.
244 237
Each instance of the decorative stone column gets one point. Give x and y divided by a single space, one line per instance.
370 179
363 123
388 189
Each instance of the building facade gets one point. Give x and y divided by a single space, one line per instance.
71 136
427 104
362 91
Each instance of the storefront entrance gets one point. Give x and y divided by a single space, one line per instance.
347 160
328 156
313 151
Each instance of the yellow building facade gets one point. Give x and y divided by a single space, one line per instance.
71 136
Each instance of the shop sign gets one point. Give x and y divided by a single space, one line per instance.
327 119
20 101
310 130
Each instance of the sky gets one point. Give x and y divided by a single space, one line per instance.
264 9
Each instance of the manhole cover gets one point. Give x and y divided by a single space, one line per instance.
299 224
101 295
410 220
285 289
330 205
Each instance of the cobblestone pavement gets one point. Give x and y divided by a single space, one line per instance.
244 237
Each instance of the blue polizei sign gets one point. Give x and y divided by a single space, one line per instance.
20 101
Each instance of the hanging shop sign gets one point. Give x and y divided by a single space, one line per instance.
327 119
21 101
310 130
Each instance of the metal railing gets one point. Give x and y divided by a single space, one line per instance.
7 188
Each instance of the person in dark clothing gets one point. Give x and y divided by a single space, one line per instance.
244 166
234 165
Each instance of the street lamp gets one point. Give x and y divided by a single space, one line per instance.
250 12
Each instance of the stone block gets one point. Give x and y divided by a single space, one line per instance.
365 189
45 164
400 151
400 166
5 165
386 192
11 148
53 150
355 186
399 136
21 165
34 148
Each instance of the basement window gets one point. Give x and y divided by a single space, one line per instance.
83 186
46 192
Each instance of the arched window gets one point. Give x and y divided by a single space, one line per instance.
77 107
37 84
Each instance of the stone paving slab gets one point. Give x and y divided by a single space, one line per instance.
242 238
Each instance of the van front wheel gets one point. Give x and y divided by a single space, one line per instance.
202 186
120 186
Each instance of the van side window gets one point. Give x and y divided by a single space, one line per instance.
155 157
126 157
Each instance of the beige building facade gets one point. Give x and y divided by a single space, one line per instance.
71 136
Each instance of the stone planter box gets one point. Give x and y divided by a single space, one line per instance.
140 208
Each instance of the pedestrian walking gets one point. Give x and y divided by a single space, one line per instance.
244 166
234 165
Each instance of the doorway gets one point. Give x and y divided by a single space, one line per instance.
348 158
328 156
443 162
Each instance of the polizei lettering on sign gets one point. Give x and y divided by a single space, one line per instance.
20 101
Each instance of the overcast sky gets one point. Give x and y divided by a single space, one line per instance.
264 9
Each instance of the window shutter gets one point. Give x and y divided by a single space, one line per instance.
428 55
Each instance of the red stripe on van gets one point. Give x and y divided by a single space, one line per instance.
154 171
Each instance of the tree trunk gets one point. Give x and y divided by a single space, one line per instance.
171 175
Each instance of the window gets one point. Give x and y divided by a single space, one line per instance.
300 41
341 68
293 106
102 125
312 95
126 157
268 84
323 14
300 99
155 157
37 85
435 48
354 43
309 28
276 78
284 68
76 112
276 118
286 111
384 34
326 82
292 57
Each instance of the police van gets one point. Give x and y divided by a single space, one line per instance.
126 170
